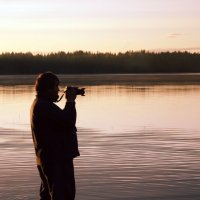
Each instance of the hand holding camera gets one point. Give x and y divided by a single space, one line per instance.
72 92
70 95
76 90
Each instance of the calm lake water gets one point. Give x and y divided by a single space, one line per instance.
139 137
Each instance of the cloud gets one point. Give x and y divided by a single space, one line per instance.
189 49
192 49
175 35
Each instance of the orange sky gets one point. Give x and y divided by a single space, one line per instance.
100 25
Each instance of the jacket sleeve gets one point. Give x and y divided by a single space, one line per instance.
65 118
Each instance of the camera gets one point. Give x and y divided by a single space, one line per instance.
78 91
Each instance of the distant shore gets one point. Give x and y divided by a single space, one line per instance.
102 79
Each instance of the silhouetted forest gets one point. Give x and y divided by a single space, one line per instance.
80 62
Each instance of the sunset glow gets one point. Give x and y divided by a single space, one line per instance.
107 26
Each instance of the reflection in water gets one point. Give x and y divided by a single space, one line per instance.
136 142
147 164
14 104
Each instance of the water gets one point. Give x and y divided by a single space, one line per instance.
139 137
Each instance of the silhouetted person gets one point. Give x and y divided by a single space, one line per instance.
55 139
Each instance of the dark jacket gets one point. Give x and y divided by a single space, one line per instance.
53 131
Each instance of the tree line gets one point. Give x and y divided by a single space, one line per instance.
80 62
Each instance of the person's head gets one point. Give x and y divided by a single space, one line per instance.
46 86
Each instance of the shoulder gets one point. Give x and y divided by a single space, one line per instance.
41 104
46 105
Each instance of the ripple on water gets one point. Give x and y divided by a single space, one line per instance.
142 164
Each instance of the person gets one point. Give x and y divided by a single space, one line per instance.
54 136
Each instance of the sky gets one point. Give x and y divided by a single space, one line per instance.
43 26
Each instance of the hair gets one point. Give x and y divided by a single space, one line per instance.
45 81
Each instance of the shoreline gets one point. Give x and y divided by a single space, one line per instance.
102 79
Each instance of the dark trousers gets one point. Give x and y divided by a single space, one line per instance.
57 181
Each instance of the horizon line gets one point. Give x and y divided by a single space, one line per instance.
195 50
